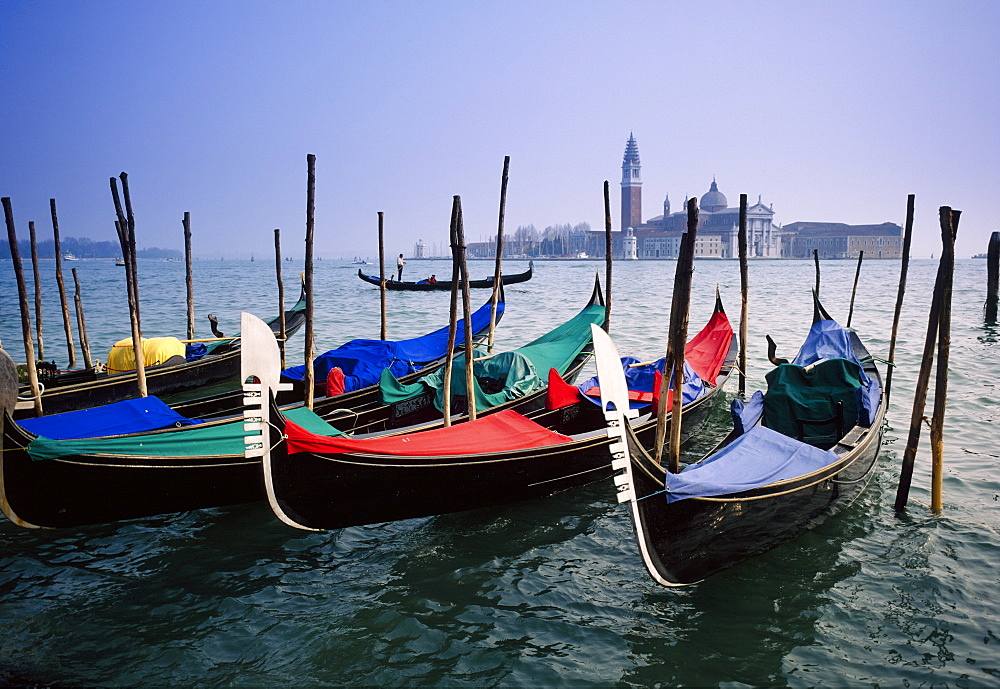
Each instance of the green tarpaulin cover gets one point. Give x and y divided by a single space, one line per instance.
506 376
811 394
224 439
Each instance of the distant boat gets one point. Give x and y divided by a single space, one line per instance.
360 262
251 258
69 257
979 256
119 261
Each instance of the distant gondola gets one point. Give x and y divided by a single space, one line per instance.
425 286
797 455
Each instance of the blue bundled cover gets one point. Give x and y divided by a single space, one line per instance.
130 416
363 361
641 379
757 458
828 339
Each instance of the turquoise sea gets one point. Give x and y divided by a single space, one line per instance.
543 593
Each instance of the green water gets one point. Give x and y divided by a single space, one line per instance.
544 593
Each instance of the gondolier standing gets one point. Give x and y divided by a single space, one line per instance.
399 268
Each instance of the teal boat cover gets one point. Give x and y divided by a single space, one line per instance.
509 375
363 361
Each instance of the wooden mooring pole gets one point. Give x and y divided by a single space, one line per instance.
948 229
744 295
281 294
607 257
992 278
125 227
854 290
673 365
498 269
81 322
188 273
816 261
36 274
452 312
381 271
310 374
470 388
62 286
907 237
22 294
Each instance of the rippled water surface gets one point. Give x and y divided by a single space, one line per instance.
543 593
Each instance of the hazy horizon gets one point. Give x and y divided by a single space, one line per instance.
830 112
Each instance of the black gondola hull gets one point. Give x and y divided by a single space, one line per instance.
393 285
80 490
335 491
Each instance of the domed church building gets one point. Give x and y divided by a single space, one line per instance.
718 223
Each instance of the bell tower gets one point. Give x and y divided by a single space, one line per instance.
631 186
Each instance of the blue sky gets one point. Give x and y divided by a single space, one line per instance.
829 111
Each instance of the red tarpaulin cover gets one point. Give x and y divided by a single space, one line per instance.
706 352
506 430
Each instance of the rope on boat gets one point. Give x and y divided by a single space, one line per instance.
659 492
41 391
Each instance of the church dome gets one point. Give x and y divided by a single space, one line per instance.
713 200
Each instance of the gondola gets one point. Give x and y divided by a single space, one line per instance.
513 379
75 481
797 455
131 459
425 286
220 366
317 483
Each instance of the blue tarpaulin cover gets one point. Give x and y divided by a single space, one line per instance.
363 361
130 416
757 458
641 379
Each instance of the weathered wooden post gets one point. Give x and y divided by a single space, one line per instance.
281 294
36 274
125 226
310 375
949 228
62 286
744 294
498 267
81 323
673 366
608 257
381 272
904 265
189 274
992 277
854 291
452 312
923 377
816 261
470 389
22 294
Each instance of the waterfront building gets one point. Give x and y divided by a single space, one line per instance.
837 240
